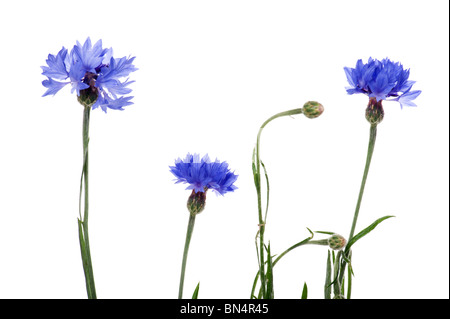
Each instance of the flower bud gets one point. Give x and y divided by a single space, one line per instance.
336 242
312 109
374 111
196 202
88 96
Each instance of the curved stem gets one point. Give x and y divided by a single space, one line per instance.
190 229
322 242
262 221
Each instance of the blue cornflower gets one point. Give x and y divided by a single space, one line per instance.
202 174
381 80
92 72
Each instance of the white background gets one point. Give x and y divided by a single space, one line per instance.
210 73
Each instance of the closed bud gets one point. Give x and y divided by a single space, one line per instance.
374 111
312 109
336 242
196 202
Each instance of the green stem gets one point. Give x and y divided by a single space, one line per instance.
327 287
349 280
190 229
372 139
337 268
83 223
262 221
323 242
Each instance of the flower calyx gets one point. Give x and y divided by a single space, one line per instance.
374 111
196 202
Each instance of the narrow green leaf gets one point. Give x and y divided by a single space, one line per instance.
81 237
255 176
195 294
255 172
255 281
349 286
305 291
325 232
269 275
84 257
348 260
82 243
328 278
268 190
336 270
365 231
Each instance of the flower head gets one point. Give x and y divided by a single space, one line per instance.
202 174
381 80
93 73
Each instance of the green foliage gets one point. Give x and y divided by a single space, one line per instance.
269 276
328 277
365 231
195 294
305 291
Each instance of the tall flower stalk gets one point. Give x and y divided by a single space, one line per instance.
380 80
371 147
96 77
190 230
83 220
201 175
310 109
347 253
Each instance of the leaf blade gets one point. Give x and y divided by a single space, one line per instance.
305 291
365 231
269 275
195 294
328 278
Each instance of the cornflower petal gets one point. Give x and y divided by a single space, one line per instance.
121 67
380 87
105 102
203 174
92 71
53 86
119 88
406 98
56 68
90 57
381 80
76 74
